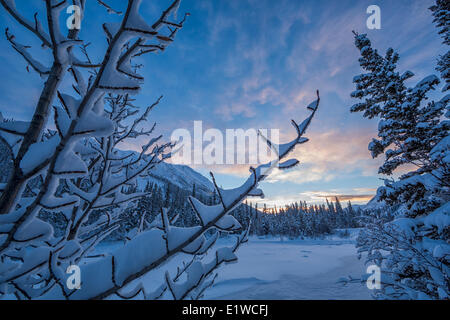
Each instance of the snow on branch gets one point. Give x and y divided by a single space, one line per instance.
95 183
22 50
35 27
199 272
167 240
86 171
109 9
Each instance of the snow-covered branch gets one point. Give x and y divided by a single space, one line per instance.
35 27
96 182
22 50
82 170
168 240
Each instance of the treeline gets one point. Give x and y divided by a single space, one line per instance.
296 220
299 219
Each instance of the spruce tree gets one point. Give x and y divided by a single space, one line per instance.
412 250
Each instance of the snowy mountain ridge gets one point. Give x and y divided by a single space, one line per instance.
181 176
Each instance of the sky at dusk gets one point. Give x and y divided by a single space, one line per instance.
257 64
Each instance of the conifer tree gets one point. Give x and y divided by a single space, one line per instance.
412 249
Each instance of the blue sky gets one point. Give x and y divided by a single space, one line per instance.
257 64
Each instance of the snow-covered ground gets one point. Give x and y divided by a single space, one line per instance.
299 269
277 269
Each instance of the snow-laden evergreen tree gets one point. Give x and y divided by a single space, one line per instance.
413 250
441 14
82 173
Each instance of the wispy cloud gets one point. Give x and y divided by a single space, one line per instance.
258 63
